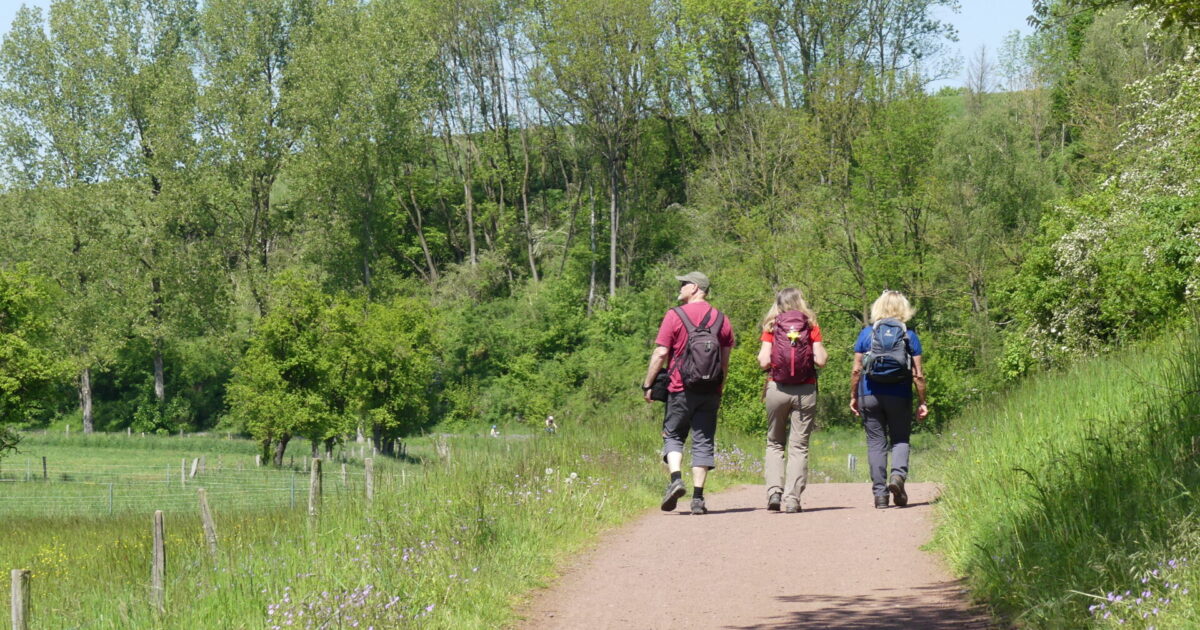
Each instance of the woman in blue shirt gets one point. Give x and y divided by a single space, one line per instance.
881 392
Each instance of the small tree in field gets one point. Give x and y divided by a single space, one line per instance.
321 366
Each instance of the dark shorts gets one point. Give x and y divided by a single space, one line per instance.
695 413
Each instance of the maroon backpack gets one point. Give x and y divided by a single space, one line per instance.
791 351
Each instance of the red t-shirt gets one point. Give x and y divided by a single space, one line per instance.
672 335
814 335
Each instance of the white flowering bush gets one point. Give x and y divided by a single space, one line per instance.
1123 260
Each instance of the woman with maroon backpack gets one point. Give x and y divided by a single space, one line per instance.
791 352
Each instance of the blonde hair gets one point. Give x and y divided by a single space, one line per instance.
789 299
892 304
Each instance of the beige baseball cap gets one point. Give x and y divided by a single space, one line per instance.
696 278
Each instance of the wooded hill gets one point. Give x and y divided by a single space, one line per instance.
300 218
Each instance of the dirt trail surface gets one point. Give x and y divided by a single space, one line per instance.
840 563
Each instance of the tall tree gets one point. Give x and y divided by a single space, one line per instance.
601 59
64 136
246 48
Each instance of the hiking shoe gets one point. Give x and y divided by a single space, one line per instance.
698 507
881 501
774 501
896 487
792 507
671 496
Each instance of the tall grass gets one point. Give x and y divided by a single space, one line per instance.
1071 499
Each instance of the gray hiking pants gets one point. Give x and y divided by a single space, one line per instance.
888 422
695 413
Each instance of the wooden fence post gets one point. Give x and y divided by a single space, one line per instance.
44 476
369 474
258 461
20 599
210 527
158 568
343 474
183 471
314 487
195 463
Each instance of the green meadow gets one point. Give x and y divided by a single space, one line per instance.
457 535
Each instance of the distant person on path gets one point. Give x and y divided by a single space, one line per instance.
551 427
494 432
696 339
887 363
791 352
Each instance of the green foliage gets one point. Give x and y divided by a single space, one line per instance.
1120 262
322 367
28 370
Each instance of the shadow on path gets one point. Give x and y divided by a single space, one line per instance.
877 611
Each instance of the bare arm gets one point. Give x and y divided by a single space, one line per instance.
764 355
855 375
820 356
919 381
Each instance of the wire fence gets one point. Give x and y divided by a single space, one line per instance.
117 489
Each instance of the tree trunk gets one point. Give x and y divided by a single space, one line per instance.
614 218
525 207
85 399
160 388
748 46
781 65
418 224
592 247
469 199
368 237
280 447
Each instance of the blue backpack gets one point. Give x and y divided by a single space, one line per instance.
890 359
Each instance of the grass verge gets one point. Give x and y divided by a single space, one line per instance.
1070 500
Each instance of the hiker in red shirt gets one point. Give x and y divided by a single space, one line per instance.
791 352
695 340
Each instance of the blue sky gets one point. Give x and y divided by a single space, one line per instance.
979 23
8 10
983 23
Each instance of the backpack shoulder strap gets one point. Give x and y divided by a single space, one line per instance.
687 323
718 322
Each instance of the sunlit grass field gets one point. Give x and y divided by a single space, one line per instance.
1071 500
451 540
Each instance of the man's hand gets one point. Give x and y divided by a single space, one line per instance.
922 412
854 405
646 394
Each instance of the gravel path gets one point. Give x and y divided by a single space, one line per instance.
840 563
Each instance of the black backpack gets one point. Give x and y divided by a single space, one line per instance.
700 365
889 360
